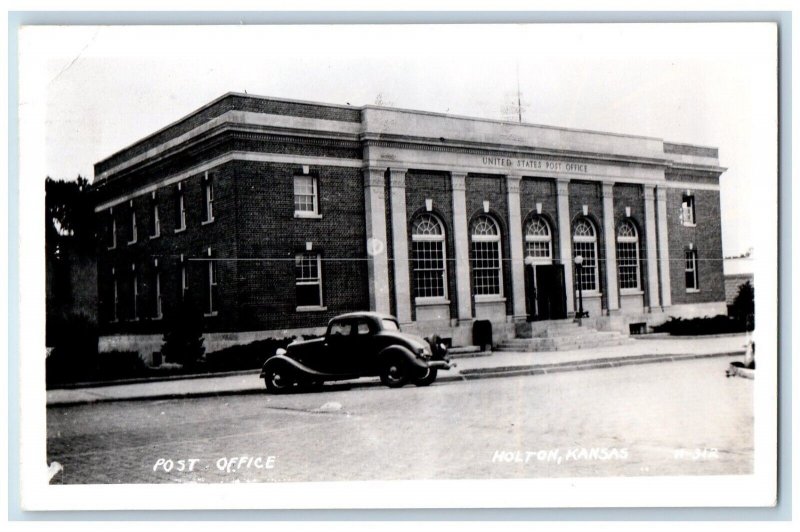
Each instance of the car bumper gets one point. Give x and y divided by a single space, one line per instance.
440 364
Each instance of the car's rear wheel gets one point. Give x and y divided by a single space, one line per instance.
428 378
395 372
278 379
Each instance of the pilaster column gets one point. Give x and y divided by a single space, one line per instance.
461 245
402 284
652 248
663 247
516 251
565 240
612 292
377 261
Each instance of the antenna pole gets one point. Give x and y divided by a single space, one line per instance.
519 96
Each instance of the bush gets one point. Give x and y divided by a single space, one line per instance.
183 341
247 356
74 354
720 324
743 307
120 365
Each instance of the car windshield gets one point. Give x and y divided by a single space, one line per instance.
390 325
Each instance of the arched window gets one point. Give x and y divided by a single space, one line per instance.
628 256
428 257
539 240
584 243
486 257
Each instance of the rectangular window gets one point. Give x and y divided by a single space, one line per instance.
208 200
112 231
305 196
155 222
135 296
115 298
628 265
692 284
486 268
184 281
538 249
687 210
587 278
211 288
134 229
157 296
427 263
180 212
308 280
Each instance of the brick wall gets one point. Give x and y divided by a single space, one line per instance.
590 193
706 236
536 190
422 185
630 195
192 243
129 180
492 188
269 237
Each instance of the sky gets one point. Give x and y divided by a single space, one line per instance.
100 89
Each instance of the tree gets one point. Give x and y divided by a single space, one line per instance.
70 246
69 212
743 307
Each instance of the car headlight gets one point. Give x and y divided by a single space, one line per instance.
280 351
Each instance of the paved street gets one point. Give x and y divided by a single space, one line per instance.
654 419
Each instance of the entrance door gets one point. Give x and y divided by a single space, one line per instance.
551 299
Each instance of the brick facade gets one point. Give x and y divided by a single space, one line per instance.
255 233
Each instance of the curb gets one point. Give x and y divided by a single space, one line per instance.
662 336
467 375
163 378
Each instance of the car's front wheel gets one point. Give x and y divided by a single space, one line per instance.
278 379
395 372
428 378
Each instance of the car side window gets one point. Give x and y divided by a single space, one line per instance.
340 329
362 328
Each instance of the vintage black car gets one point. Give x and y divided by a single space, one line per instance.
358 344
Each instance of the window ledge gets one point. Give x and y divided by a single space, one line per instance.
132 242
631 292
690 225
311 308
153 237
210 314
423 301
489 299
593 294
109 248
157 318
692 290
180 229
206 222
309 215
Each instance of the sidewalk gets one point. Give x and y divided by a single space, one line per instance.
494 365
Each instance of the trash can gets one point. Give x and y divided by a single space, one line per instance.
482 334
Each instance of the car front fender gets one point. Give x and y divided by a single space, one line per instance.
399 350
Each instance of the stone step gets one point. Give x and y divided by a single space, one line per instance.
563 332
571 337
554 327
565 343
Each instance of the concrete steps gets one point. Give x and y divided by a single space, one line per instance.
561 335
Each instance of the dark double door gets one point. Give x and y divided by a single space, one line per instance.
545 295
